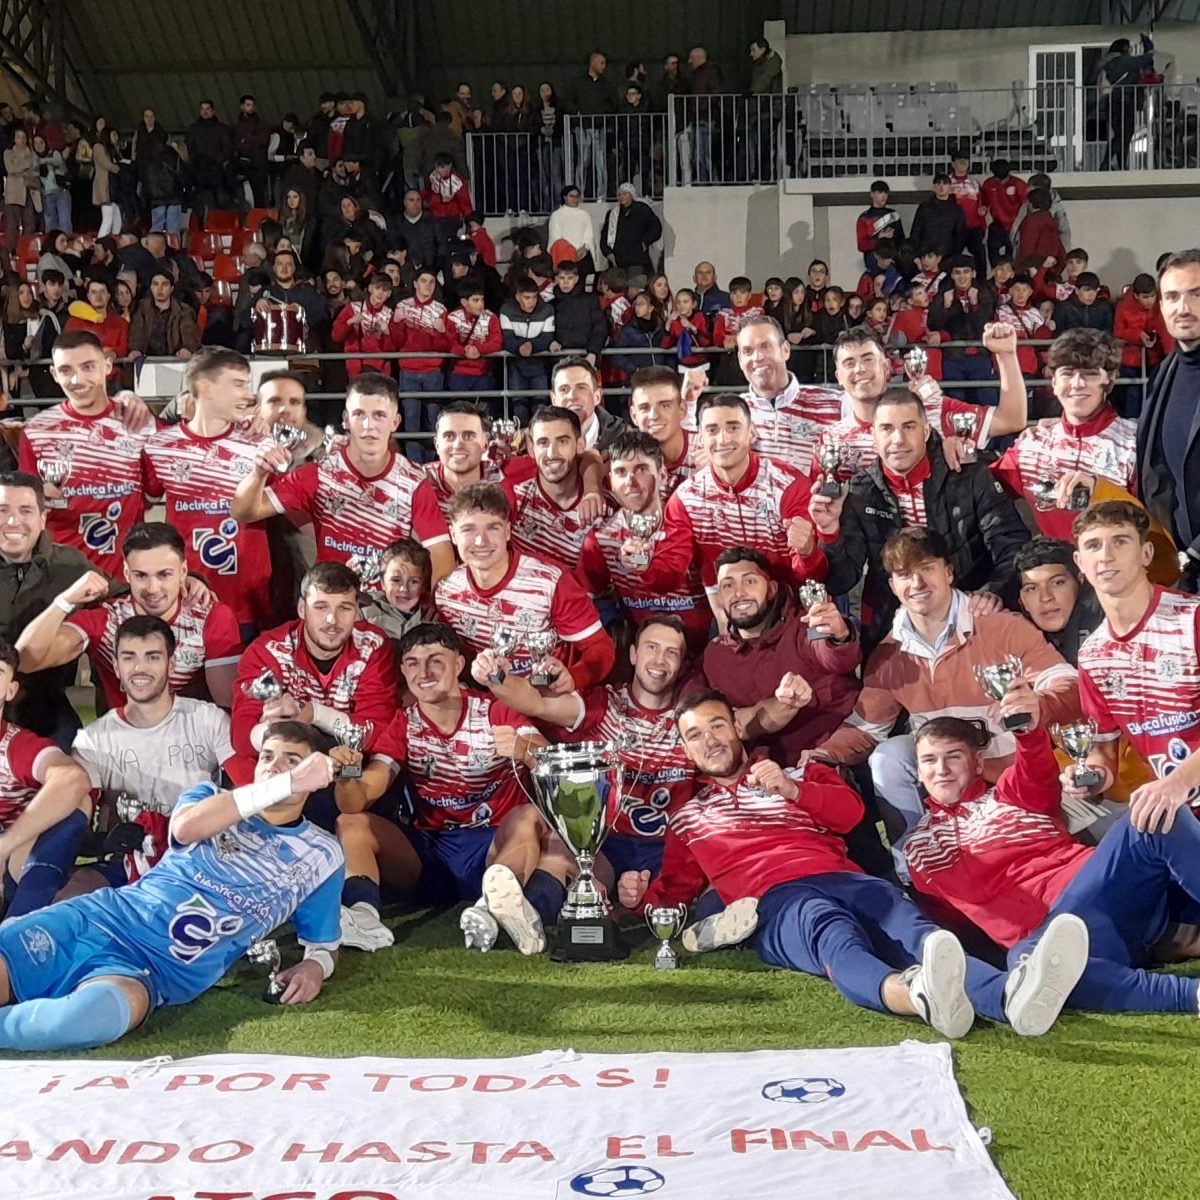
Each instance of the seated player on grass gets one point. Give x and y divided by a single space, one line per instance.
1001 855
755 829
471 832
86 971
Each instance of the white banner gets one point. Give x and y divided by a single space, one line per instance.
839 1124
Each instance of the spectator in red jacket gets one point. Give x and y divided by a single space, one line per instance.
689 330
878 221
1002 195
969 196
910 327
1021 314
447 197
1139 324
1040 237
367 325
473 333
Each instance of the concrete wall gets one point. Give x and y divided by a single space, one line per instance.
990 58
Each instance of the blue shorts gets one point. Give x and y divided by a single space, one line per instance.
49 953
625 852
452 862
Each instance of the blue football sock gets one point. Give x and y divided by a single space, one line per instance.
546 895
359 888
50 861
94 1015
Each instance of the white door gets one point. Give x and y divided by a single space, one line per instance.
1057 100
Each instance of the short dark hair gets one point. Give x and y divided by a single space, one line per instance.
1142 285
53 276
900 397
722 400
9 656
1042 551
463 408
25 479
575 360
954 729
208 362
1087 279
912 545
144 626
480 497
653 376
737 554
880 185
1181 258
373 383
1108 513
668 620
739 283
633 442
525 285
282 373
941 177
698 697
432 633
1040 199
1078 253
334 578
409 549
547 414
75 339
1090 349
859 335
149 535
298 731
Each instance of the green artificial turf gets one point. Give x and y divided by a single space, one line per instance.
1103 1108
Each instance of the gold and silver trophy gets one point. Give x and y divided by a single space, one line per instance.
996 679
286 437
265 953
541 644
963 424
353 737
265 687
577 789
666 922
642 526
128 808
812 593
1077 740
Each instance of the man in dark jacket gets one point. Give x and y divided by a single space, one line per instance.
304 176
1055 597
251 136
364 138
210 151
579 321
630 229
703 109
939 223
1168 439
421 233
591 95
910 484
961 310
162 326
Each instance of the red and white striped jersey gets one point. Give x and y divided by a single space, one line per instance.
458 779
1105 448
534 596
360 682
683 468
601 570
102 497
355 514
542 527
23 760
515 469
197 477
658 777
619 312
728 321
1147 683
206 635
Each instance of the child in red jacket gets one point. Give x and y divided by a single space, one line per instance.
447 196
910 327
689 330
1039 237
367 325
1138 322
481 240
472 331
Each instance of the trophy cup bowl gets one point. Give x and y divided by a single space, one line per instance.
1043 494
1077 740
128 808
996 679
353 737
368 566
577 790
505 641
830 458
286 437
644 526
265 952
541 644
963 424
54 471
265 688
916 362
666 922
812 593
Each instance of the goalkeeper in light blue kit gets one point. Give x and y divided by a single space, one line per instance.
86 971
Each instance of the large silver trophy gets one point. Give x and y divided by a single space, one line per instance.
577 790
996 679
812 593
1077 740
265 953
643 526
353 737
666 921
503 433
963 424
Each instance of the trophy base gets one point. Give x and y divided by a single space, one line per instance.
818 635
350 771
1080 499
1016 721
1086 777
540 679
272 995
831 491
666 962
586 939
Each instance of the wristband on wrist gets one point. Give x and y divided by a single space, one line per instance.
321 957
325 718
255 798
63 605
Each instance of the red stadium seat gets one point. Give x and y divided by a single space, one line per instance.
239 240
222 220
29 246
256 216
207 245
226 269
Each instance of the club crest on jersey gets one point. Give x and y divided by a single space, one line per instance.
196 927
181 470
217 548
337 505
1169 668
99 530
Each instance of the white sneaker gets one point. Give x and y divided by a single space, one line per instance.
937 986
518 918
363 930
479 927
733 924
1038 986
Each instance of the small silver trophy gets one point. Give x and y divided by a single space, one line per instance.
963 424
996 679
330 435
830 458
265 688
916 366
505 641
504 432
1077 740
128 807
1044 492
811 594
54 471
286 437
541 644
368 566
265 952
353 737
643 526
666 921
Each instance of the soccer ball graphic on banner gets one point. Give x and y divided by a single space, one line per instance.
618 1181
803 1091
